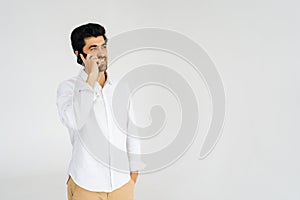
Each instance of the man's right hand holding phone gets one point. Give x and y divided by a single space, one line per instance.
91 68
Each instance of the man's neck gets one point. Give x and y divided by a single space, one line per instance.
102 78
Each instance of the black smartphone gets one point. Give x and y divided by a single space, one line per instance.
79 60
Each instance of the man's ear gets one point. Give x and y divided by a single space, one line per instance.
76 53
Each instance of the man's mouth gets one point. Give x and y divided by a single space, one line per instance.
101 61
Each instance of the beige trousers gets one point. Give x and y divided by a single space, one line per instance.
76 192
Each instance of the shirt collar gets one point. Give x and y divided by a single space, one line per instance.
84 76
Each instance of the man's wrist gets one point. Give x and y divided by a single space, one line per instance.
133 175
91 81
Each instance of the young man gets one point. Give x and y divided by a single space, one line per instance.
83 105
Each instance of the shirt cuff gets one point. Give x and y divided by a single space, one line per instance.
137 165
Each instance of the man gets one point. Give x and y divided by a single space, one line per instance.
83 104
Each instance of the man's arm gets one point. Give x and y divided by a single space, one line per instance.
75 100
74 103
133 144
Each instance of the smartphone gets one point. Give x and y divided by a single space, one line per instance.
79 60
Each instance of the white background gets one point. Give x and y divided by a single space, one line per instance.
255 46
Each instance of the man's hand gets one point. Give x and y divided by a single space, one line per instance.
134 175
91 67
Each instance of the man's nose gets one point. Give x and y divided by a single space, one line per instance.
101 55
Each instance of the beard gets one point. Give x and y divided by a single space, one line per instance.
102 67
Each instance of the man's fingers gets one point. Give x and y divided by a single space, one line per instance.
90 58
94 58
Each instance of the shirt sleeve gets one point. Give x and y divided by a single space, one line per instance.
74 103
133 143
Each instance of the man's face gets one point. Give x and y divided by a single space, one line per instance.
97 46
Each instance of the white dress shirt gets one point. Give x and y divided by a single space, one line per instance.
87 114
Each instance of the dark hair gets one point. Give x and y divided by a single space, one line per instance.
84 31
